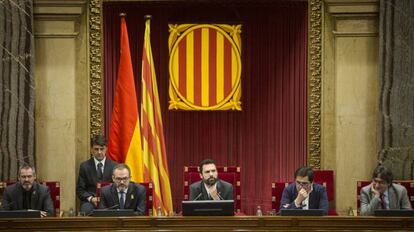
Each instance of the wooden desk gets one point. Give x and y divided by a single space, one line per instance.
248 223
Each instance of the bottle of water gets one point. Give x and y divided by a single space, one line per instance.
259 211
159 211
71 212
350 211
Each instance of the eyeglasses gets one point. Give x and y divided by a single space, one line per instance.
119 179
302 183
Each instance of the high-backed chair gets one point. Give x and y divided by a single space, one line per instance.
149 197
408 184
229 174
322 177
54 188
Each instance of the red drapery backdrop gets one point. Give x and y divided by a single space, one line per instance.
268 138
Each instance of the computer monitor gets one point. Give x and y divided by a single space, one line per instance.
113 212
208 208
302 212
20 214
394 212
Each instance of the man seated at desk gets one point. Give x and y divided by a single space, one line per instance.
382 193
210 187
28 194
304 194
123 194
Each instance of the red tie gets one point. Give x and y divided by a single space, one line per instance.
383 204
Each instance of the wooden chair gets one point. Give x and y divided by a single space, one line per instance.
149 197
229 174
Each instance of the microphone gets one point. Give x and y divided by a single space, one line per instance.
112 207
198 196
218 194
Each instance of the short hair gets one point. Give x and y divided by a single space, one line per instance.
205 162
26 166
98 140
383 173
120 167
304 171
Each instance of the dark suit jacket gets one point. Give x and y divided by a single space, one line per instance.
40 199
199 192
318 198
135 198
88 178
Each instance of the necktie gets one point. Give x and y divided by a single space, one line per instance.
122 200
383 204
100 174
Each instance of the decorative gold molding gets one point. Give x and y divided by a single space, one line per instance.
314 76
95 63
314 83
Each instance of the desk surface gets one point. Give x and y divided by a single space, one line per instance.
246 223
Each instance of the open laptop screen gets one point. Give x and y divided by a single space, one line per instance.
208 208
394 212
20 214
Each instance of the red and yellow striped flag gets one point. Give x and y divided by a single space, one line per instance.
154 153
125 134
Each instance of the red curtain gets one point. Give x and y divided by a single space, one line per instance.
268 139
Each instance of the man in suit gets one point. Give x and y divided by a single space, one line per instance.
382 193
28 194
123 194
303 193
210 187
97 169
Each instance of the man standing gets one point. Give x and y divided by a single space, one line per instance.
382 193
97 169
304 194
123 194
210 187
28 194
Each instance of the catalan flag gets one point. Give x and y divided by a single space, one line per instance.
124 134
154 152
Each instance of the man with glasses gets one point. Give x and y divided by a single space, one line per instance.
97 169
382 193
28 194
303 193
123 194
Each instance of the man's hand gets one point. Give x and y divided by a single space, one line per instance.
374 191
213 192
94 201
43 214
302 195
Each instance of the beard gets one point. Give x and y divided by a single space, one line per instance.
210 181
122 187
27 186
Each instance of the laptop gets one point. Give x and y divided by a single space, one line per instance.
20 214
394 212
208 208
113 212
302 212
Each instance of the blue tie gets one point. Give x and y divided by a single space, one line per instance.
122 200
